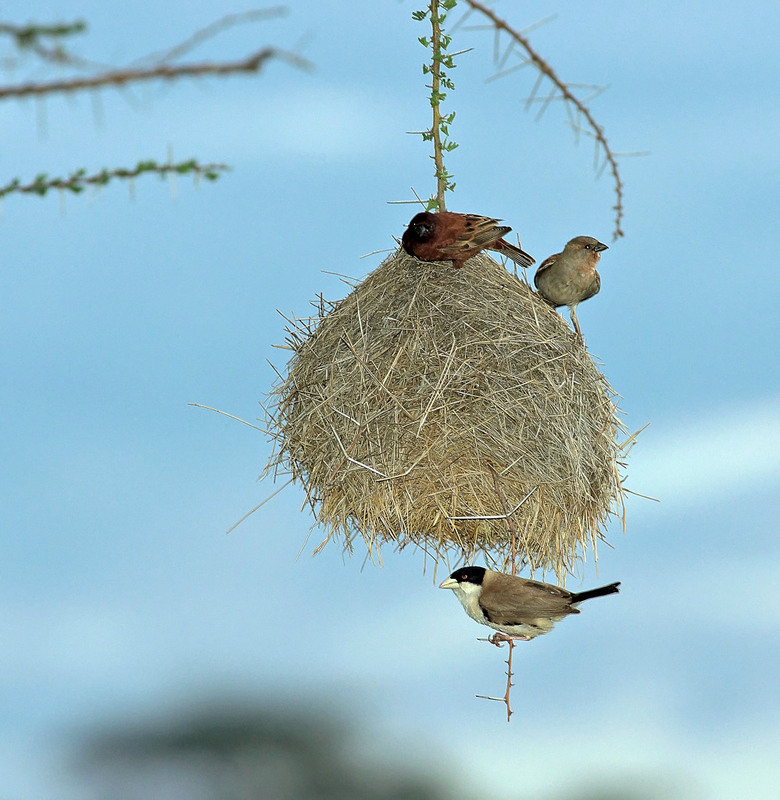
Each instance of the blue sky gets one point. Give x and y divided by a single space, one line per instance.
121 592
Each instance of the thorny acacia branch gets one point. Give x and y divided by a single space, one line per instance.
546 71
512 529
505 699
439 133
436 94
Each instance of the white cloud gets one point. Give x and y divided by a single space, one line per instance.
726 453
312 122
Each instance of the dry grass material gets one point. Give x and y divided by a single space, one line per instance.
452 410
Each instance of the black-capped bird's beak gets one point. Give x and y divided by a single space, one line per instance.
449 583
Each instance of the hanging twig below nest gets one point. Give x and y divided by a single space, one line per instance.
509 684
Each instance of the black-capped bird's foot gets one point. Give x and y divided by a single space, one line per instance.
499 638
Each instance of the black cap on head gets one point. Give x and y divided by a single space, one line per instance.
469 575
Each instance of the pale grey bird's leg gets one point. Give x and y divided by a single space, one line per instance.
573 315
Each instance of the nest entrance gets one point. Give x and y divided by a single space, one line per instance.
432 402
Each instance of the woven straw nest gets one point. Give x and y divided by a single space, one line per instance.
452 410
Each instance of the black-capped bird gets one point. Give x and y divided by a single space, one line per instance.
515 607
568 278
448 236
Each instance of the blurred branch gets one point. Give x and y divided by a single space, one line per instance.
77 181
160 72
45 41
562 91
211 30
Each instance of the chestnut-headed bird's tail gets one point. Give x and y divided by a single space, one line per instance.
520 257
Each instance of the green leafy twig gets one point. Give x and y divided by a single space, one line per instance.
34 38
439 132
28 37
77 181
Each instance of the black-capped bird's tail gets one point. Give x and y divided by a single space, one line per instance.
579 597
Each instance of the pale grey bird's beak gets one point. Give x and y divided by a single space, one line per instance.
449 583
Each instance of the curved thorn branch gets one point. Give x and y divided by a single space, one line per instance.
564 91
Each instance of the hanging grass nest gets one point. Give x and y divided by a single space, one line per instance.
452 410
